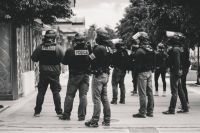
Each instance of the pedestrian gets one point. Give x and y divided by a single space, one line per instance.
77 58
119 63
144 60
175 64
161 68
49 55
100 69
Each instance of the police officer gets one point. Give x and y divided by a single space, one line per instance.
161 68
100 70
186 65
175 65
119 62
77 59
134 73
49 55
144 60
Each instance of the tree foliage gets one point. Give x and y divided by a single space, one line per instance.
158 16
135 19
25 11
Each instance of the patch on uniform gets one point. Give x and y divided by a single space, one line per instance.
92 56
81 52
49 48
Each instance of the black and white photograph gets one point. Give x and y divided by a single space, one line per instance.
99 66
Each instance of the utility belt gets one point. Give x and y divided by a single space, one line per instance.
144 69
100 71
78 72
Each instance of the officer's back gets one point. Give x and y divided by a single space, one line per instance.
49 54
77 58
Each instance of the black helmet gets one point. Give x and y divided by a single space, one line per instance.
80 40
50 33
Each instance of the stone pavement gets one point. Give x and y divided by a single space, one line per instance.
17 117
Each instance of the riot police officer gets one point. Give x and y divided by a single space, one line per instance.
100 69
119 63
77 59
49 55
175 64
144 60
161 68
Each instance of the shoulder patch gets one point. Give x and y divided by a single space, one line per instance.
92 56
81 52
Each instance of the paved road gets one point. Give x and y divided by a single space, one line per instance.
19 117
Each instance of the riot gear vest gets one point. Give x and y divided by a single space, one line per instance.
48 55
78 60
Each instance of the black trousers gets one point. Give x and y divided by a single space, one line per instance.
159 72
176 90
44 80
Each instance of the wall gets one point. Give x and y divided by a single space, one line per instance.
16 47
28 37
5 68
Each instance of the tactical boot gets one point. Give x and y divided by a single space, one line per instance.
64 117
91 123
122 101
113 102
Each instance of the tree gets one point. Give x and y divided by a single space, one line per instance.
111 33
158 16
135 19
176 15
25 11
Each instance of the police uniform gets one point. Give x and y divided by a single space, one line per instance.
100 70
49 55
161 68
77 59
144 64
119 61
174 62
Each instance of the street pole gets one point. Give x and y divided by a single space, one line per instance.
198 71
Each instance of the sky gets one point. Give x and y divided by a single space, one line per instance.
101 12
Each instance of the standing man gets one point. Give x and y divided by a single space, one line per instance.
144 60
161 68
119 62
49 54
100 70
77 58
133 71
186 65
175 65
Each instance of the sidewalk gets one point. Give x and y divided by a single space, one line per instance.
18 118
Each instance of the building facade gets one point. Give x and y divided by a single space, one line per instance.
17 71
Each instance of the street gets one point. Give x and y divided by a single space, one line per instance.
19 118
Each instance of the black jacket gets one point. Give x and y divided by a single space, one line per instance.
144 59
77 59
101 59
161 60
49 56
174 60
120 59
